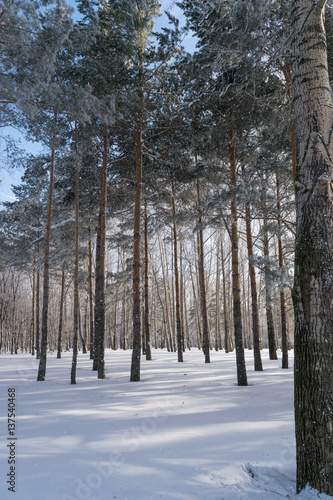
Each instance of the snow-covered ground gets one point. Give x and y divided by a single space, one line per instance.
186 431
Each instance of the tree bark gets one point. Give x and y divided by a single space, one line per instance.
33 313
254 295
100 268
218 337
312 292
225 312
136 353
203 301
76 265
175 248
147 330
46 273
37 314
91 301
61 310
240 357
284 332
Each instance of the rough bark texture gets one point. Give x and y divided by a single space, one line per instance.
312 293
240 358
46 276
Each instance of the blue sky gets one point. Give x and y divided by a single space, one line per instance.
12 176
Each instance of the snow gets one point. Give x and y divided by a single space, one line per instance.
186 431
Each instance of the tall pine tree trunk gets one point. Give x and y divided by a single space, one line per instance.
147 330
312 292
100 268
225 312
254 295
240 357
46 272
218 338
175 248
203 301
136 353
61 309
33 313
76 265
284 332
91 301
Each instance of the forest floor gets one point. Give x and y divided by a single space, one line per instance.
186 431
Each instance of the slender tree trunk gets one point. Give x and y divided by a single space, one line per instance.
284 333
61 311
240 357
182 295
76 264
225 312
203 301
91 299
97 285
37 315
146 321
254 295
46 274
80 334
312 292
175 247
136 353
196 307
268 294
100 268
167 309
33 312
218 338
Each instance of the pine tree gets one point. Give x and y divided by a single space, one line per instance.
313 252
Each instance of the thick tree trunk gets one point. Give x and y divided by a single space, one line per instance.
254 295
61 310
203 301
100 269
46 274
175 247
312 292
240 357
